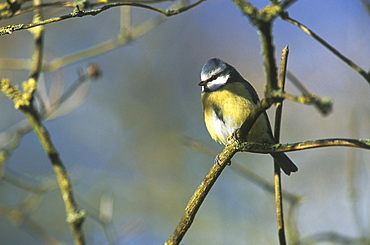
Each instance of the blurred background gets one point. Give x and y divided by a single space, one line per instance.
123 142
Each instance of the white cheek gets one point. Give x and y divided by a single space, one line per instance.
203 77
215 84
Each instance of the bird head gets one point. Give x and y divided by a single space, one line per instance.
215 74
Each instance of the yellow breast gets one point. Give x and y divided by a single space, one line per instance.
226 109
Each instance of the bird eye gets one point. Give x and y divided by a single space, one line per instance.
213 77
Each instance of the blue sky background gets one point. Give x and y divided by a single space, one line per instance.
125 141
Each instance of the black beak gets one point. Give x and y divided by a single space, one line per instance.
202 83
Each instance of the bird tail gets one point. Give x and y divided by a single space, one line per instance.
285 163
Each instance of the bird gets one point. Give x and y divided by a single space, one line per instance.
227 100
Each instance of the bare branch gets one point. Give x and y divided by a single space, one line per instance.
75 217
349 62
38 34
72 4
81 13
277 173
310 144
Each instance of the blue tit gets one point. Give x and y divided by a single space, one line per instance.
227 100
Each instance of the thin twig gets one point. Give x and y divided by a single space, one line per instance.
304 145
349 62
268 52
75 217
83 5
38 34
277 173
81 13
263 19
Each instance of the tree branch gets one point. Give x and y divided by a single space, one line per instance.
75 217
81 13
277 172
38 34
309 144
268 52
72 4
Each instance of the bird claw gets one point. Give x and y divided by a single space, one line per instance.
232 138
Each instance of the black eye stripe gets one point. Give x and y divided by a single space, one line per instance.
213 77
